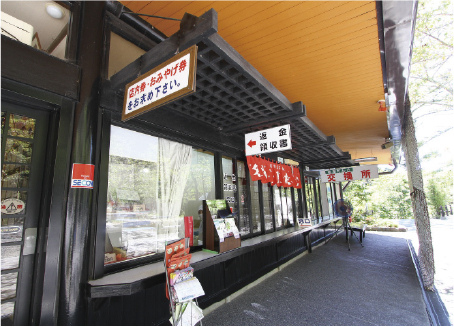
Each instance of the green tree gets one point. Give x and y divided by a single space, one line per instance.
431 93
439 190
391 197
431 73
359 194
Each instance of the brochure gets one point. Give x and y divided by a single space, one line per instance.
188 289
230 227
191 315
219 224
188 314
181 275
173 248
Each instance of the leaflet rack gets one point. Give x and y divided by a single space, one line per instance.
187 311
211 240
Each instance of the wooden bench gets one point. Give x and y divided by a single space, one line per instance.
361 230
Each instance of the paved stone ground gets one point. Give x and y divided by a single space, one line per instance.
443 244
371 285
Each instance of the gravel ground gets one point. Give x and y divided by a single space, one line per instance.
443 243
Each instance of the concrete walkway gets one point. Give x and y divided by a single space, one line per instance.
443 243
372 285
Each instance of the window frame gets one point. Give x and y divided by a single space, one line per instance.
108 119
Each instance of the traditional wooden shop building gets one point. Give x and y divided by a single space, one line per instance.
89 197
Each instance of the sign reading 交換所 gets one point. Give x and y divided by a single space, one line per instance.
167 82
348 174
268 140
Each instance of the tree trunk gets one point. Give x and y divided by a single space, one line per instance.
418 199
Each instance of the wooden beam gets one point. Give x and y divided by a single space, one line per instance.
128 33
299 110
332 159
34 67
329 141
202 28
58 39
242 65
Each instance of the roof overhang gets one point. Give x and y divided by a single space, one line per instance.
231 96
399 19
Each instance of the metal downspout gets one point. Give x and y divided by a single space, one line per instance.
389 172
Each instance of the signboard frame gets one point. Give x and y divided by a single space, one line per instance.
192 64
354 173
254 140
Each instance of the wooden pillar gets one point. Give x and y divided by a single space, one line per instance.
79 215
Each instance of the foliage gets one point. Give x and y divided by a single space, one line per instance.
439 190
431 87
358 193
376 222
387 197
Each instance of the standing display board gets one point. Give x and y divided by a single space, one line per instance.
220 232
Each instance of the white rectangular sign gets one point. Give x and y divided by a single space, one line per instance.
268 140
167 82
348 174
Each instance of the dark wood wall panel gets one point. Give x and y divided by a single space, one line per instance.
224 277
290 246
213 282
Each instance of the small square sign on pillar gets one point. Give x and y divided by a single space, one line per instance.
82 176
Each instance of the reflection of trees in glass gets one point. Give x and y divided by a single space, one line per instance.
200 184
21 126
255 203
15 175
132 181
267 206
18 151
243 205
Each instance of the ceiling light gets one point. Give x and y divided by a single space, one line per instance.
365 159
54 11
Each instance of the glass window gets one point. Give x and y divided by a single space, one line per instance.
9 282
229 183
267 207
199 186
243 214
8 313
40 24
255 206
146 182
299 213
310 199
318 199
12 229
278 215
330 200
286 206
10 256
